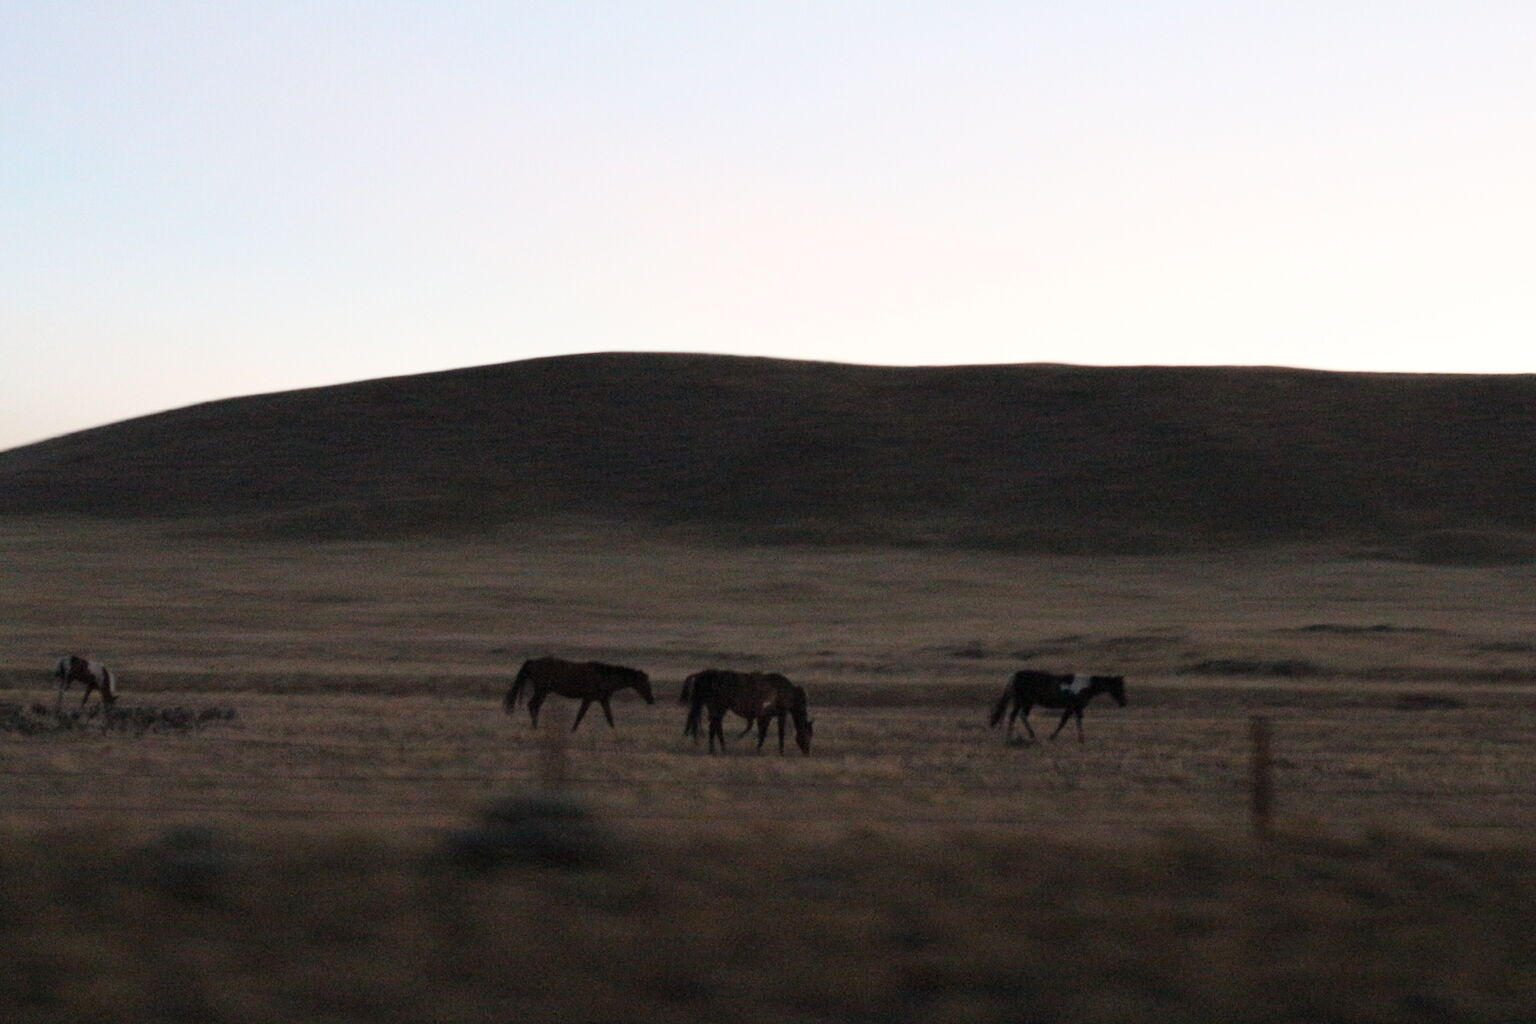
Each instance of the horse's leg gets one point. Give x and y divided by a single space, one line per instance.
1025 719
586 702
1080 725
534 703
751 724
1062 724
716 728
607 712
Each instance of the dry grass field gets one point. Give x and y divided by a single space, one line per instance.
367 678
914 868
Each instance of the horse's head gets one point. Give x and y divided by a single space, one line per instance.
642 685
799 710
1115 687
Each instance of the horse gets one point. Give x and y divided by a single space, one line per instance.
1069 692
586 681
691 726
93 674
759 697
704 683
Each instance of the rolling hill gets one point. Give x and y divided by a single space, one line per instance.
1022 457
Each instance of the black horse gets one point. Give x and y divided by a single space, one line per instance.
586 681
759 697
1071 693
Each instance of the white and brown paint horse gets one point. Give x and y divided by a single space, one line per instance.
93 675
1070 693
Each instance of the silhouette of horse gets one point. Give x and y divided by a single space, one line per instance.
704 684
93 674
1068 692
691 726
759 697
586 681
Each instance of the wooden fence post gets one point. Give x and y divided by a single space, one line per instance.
553 774
1262 786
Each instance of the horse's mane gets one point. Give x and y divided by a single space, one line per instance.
798 702
620 670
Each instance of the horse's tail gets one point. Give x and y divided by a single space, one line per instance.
682 698
698 693
516 692
1001 707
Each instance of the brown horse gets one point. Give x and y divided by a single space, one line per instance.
586 681
95 676
709 678
1068 692
759 697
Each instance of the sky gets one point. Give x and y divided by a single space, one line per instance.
203 200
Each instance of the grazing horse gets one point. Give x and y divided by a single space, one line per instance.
759 697
1068 692
93 674
691 726
586 681
705 684
709 675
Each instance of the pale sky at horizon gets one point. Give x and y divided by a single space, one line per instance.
206 200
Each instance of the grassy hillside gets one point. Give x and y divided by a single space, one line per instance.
1032 457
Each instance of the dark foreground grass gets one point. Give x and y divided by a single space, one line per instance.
209 926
